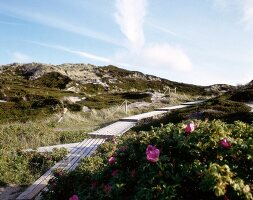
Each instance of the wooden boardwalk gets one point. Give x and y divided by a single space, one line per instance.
114 129
77 151
83 149
171 108
69 147
137 118
193 102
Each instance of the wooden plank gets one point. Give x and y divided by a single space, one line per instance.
38 185
94 146
193 102
83 149
171 108
114 129
84 152
143 116
68 146
92 150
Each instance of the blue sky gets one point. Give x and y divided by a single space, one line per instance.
193 41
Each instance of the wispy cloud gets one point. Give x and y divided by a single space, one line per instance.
163 29
130 15
52 21
76 52
245 7
21 57
248 13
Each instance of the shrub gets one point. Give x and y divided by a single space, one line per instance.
48 101
136 95
218 108
40 162
212 161
53 80
75 107
243 96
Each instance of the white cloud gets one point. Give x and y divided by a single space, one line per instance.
156 56
167 56
21 57
76 52
248 13
130 16
244 6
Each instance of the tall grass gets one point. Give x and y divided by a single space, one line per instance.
14 166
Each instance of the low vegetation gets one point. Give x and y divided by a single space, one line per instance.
53 80
210 158
206 160
242 95
22 168
16 167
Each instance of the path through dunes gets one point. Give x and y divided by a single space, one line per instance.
77 151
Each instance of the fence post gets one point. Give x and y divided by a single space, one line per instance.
126 110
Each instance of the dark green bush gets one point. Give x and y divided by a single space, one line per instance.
53 80
75 107
243 96
40 162
136 95
49 101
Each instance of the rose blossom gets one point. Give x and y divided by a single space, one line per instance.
123 148
152 153
94 185
225 143
189 128
74 197
112 160
107 188
115 172
133 173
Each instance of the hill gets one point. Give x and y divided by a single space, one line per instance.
35 88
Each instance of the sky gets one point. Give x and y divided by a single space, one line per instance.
200 42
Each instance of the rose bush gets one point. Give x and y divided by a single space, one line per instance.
215 161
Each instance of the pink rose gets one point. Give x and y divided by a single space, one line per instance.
189 128
74 197
123 148
225 143
152 153
107 188
112 160
115 172
94 185
133 173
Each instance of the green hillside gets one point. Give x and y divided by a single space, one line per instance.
37 90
